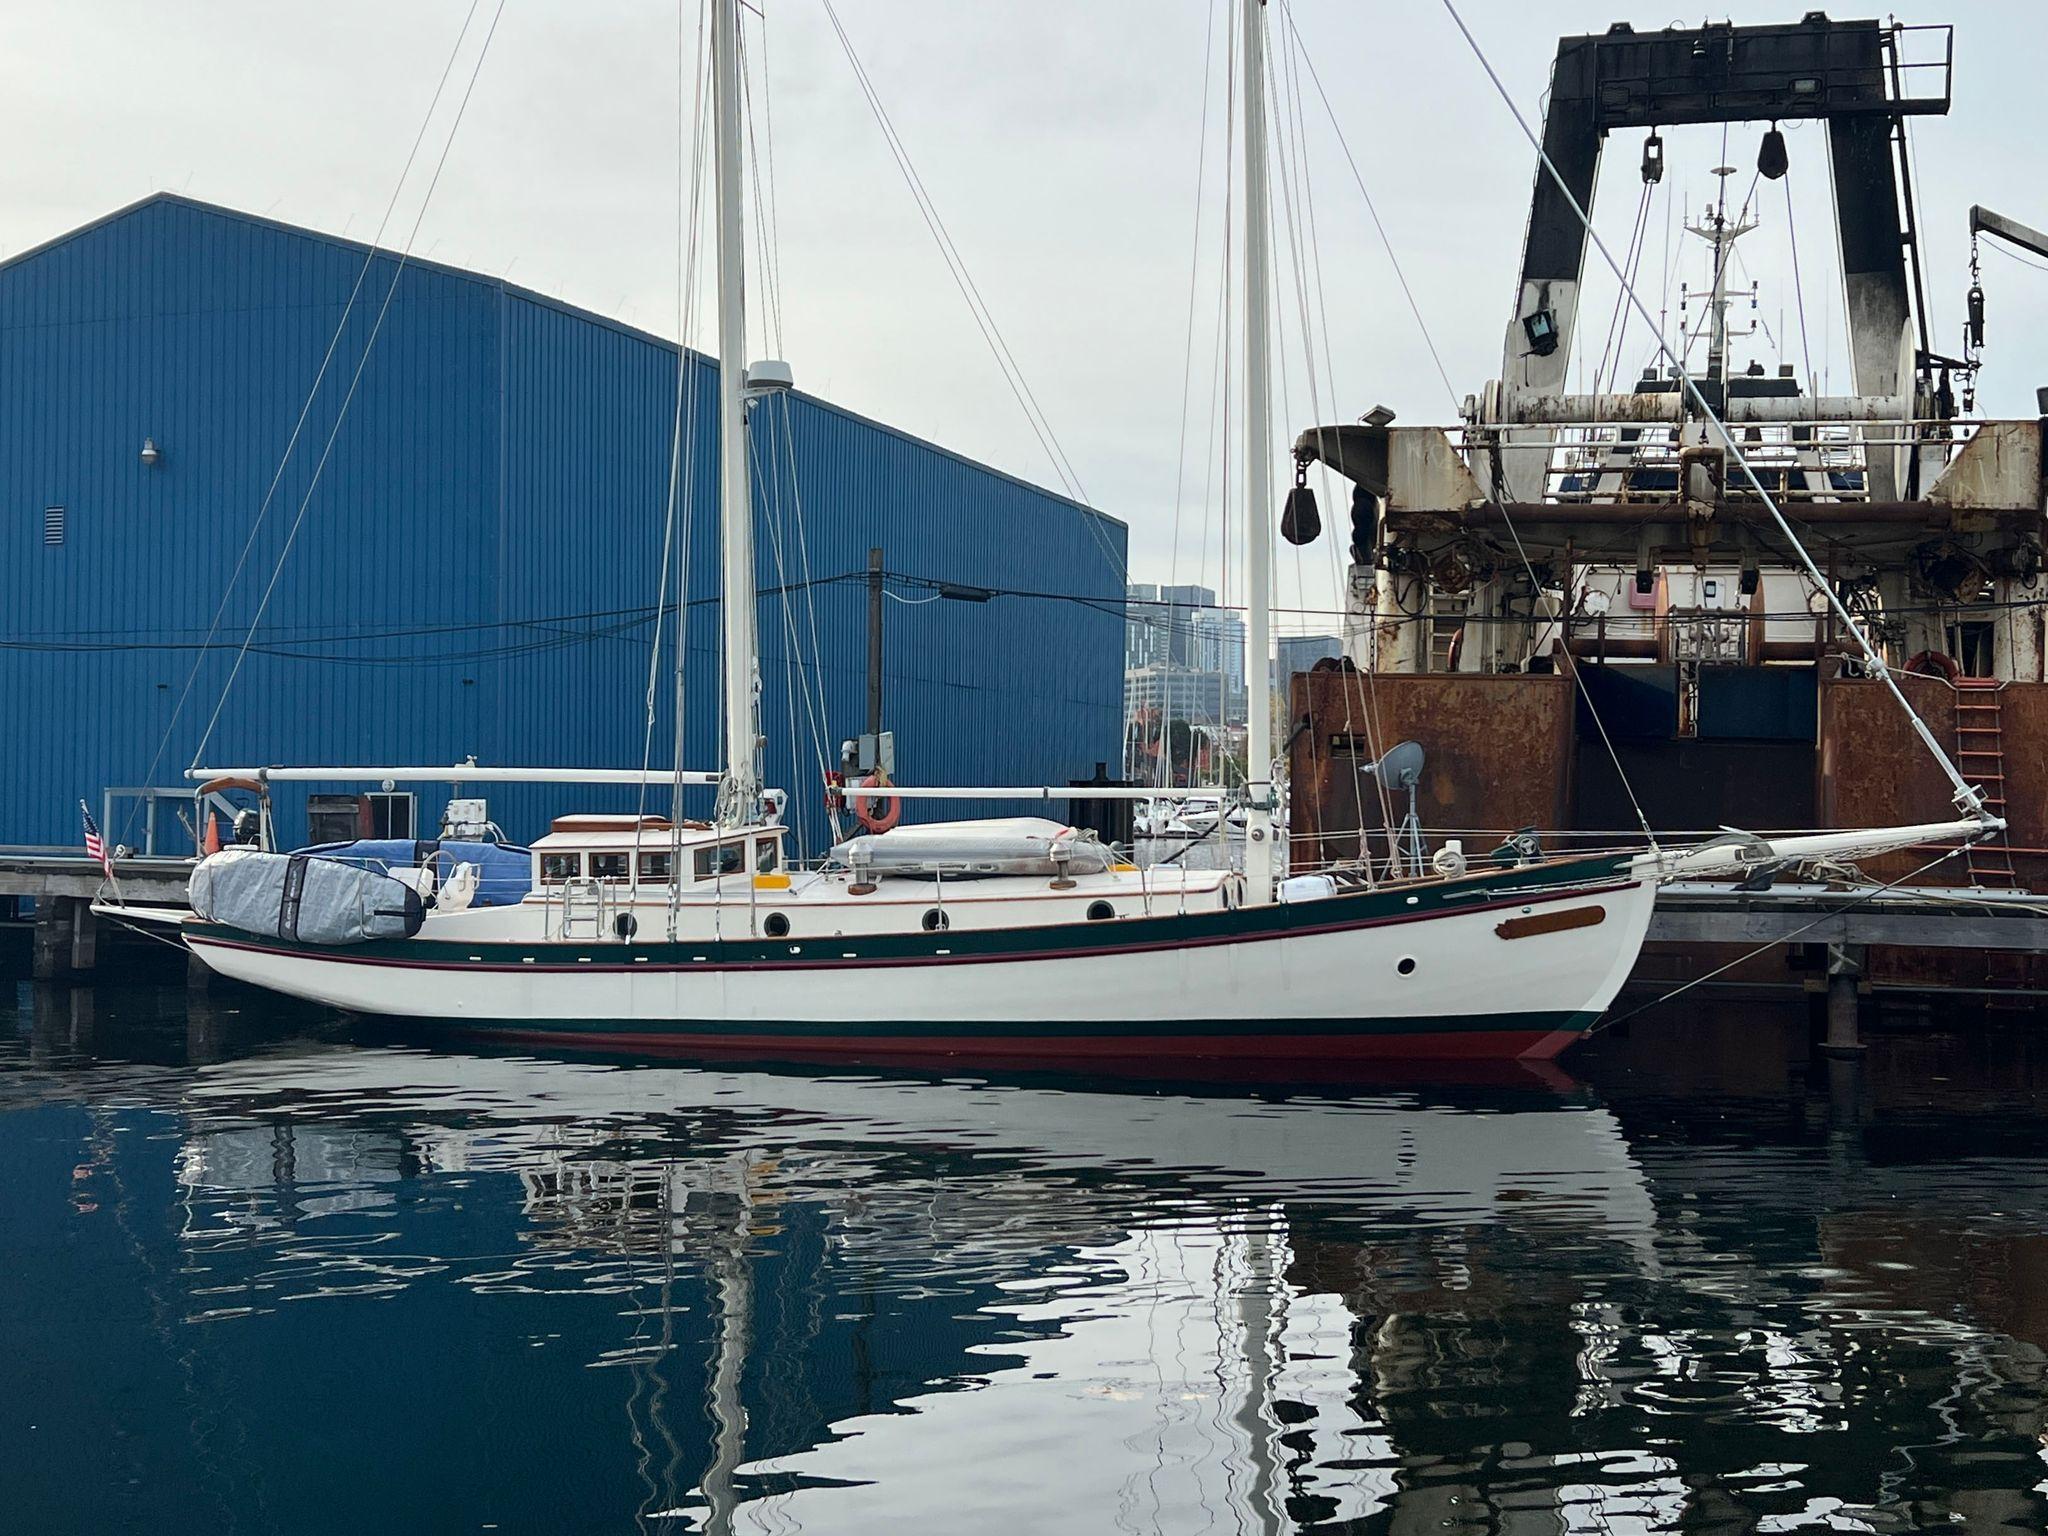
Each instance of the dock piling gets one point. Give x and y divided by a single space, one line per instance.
1846 963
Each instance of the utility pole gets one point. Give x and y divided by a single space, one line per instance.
875 646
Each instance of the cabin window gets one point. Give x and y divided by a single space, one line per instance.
557 867
657 867
768 855
720 859
609 866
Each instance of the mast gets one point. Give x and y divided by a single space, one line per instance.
739 797
1720 235
1258 764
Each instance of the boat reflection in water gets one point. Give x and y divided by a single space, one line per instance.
559 1294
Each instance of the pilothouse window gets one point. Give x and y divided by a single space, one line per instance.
720 859
557 867
657 866
608 866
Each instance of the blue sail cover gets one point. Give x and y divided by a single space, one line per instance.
504 871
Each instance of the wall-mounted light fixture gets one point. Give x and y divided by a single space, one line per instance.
151 454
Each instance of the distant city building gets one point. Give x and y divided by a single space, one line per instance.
1205 700
1183 654
1300 653
1160 624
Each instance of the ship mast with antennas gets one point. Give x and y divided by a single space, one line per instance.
1721 233
1675 554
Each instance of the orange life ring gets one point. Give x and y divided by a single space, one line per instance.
864 810
1457 649
1935 664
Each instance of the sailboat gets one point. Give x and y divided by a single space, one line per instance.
1014 938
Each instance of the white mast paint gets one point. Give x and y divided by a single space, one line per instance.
1258 479
739 798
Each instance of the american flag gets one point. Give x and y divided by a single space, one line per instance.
95 845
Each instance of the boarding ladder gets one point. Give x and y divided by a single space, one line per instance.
582 911
1980 754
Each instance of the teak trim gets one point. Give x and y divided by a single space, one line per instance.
1551 922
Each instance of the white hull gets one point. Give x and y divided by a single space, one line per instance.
1338 973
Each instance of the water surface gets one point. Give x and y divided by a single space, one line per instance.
262 1273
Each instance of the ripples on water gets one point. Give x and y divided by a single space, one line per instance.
261 1275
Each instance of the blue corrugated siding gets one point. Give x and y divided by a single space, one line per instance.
472 573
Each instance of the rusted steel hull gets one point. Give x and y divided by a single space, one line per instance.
1498 754
1503 752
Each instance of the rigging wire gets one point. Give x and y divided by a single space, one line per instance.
633 618
809 586
1857 901
305 410
2016 256
956 265
1372 209
1617 325
1305 248
1499 501
1967 798
1186 378
1798 284
689 179
341 415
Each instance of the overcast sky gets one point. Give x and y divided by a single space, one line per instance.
1060 142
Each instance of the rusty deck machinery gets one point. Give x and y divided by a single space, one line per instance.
1556 555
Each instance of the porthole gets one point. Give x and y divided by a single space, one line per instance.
936 921
1100 911
776 925
625 925
1405 965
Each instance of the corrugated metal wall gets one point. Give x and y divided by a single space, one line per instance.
476 568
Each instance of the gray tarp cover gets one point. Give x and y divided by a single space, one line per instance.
292 896
1006 845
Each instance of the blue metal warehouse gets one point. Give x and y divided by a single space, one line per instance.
476 567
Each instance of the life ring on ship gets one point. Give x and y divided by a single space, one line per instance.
1935 664
1457 649
864 806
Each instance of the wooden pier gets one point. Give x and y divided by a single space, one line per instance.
63 884
1847 925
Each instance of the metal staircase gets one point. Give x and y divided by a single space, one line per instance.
1980 753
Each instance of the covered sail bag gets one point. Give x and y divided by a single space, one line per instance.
309 899
1008 845
504 872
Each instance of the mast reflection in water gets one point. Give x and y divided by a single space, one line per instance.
263 1276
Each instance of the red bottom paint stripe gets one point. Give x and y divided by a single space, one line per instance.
1154 1050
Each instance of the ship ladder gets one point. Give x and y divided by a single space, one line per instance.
583 903
1980 754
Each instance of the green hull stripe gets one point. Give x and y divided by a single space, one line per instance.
1491 887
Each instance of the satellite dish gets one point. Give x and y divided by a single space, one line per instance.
1401 768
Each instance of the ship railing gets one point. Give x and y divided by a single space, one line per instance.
1580 454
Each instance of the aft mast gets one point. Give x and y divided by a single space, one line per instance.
739 795
1258 460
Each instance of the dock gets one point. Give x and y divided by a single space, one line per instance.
1847 924
1843 922
63 884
